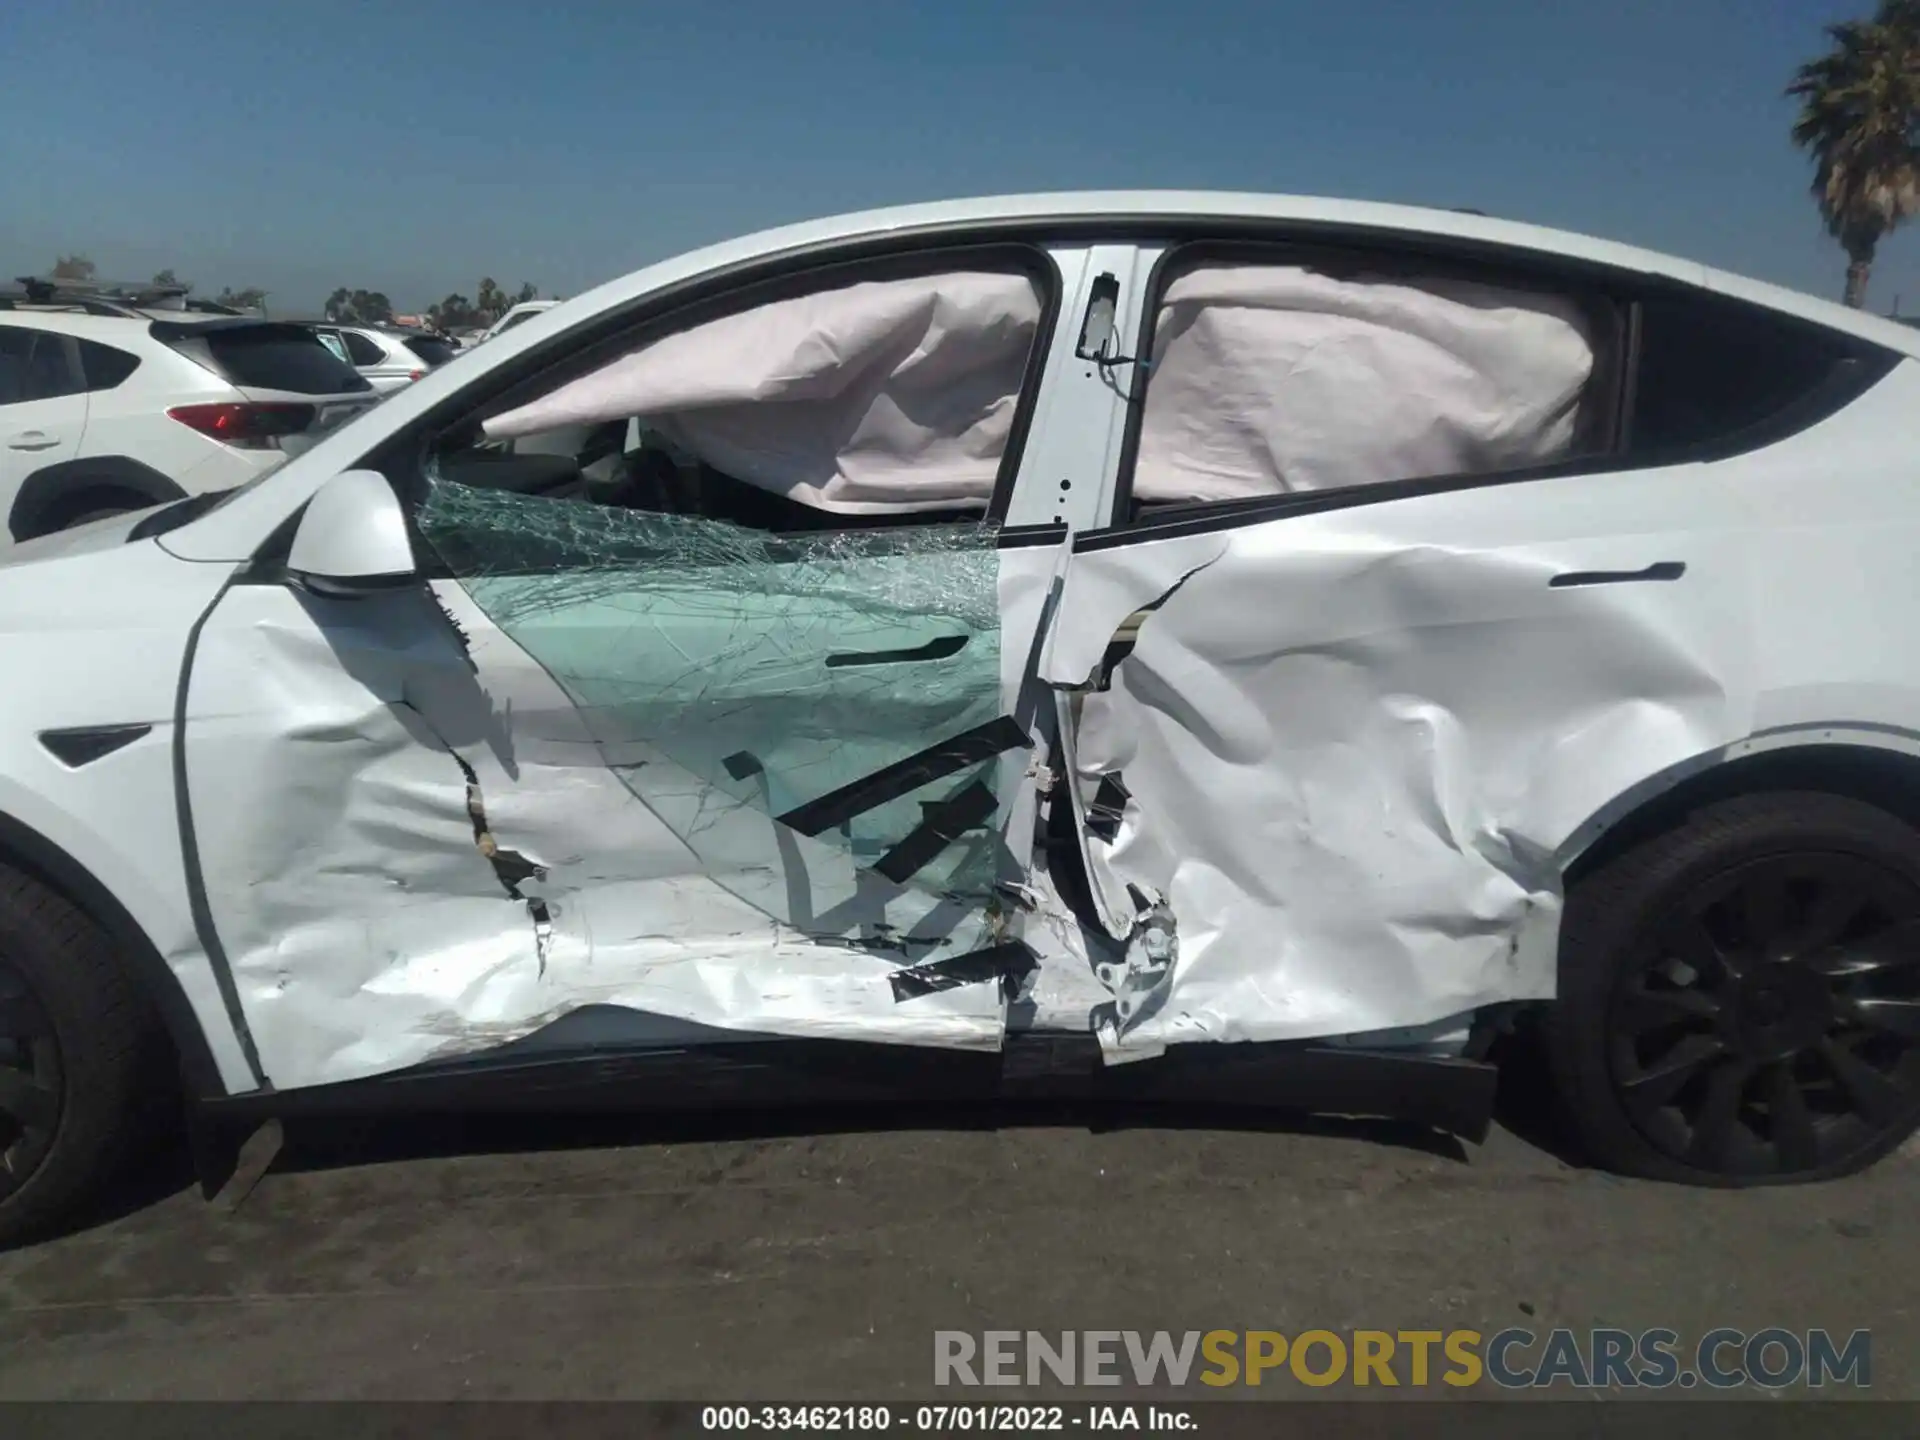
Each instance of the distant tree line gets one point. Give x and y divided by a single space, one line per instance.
490 302
359 307
344 306
456 312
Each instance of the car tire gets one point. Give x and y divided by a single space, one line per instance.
1739 997
81 1060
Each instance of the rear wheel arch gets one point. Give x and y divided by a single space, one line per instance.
54 495
1837 801
26 850
1857 768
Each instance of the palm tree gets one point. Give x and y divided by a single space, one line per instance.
1860 118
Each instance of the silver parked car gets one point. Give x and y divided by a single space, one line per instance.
388 359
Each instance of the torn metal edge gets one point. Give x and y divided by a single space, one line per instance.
510 867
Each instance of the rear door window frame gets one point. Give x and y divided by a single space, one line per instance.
1613 295
1608 389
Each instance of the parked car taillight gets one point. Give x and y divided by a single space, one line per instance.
249 427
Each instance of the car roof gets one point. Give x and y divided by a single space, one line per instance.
1137 212
381 332
1348 219
120 328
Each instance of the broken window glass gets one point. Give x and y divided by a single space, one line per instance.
786 671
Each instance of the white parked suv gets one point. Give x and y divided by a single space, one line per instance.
1253 649
102 414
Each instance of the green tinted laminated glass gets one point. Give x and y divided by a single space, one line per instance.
775 668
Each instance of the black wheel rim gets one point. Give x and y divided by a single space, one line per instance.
1770 1020
32 1087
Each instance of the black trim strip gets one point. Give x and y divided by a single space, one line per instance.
1659 570
1014 537
943 822
1629 382
85 744
201 909
836 807
1451 1095
1107 807
1009 963
743 764
938 648
1231 514
757 1073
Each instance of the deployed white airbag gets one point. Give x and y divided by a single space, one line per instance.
1271 379
877 398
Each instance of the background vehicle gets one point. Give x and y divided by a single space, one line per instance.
831 665
105 412
518 315
92 297
385 359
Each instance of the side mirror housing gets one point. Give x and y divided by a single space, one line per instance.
352 539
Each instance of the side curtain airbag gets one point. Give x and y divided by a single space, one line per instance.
1272 379
878 398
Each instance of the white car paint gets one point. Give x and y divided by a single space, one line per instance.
112 619
516 317
1362 742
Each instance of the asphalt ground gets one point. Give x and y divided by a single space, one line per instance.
813 1256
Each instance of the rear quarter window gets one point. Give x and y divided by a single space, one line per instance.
1719 375
434 352
331 339
361 350
275 357
105 366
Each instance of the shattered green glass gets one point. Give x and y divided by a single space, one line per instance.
776 668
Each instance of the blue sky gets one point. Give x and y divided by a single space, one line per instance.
413 145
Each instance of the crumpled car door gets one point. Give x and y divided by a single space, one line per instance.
658 766
1328 764
651 763
823 721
